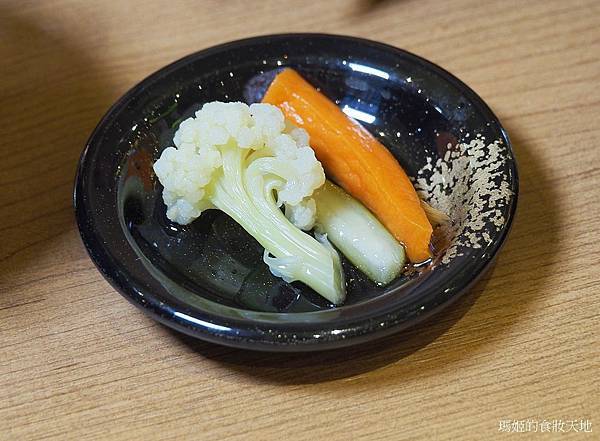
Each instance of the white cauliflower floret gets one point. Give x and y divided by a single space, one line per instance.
184 174
233 157
308 176
185 171
300 136
303 215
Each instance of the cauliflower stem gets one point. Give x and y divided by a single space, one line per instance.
246 193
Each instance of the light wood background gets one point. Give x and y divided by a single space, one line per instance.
79 362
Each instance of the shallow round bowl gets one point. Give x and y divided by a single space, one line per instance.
208 280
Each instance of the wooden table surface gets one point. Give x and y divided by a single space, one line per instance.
77 361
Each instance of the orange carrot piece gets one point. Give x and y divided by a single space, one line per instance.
356 161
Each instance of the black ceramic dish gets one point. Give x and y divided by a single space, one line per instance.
207 279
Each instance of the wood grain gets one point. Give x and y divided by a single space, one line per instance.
78 362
